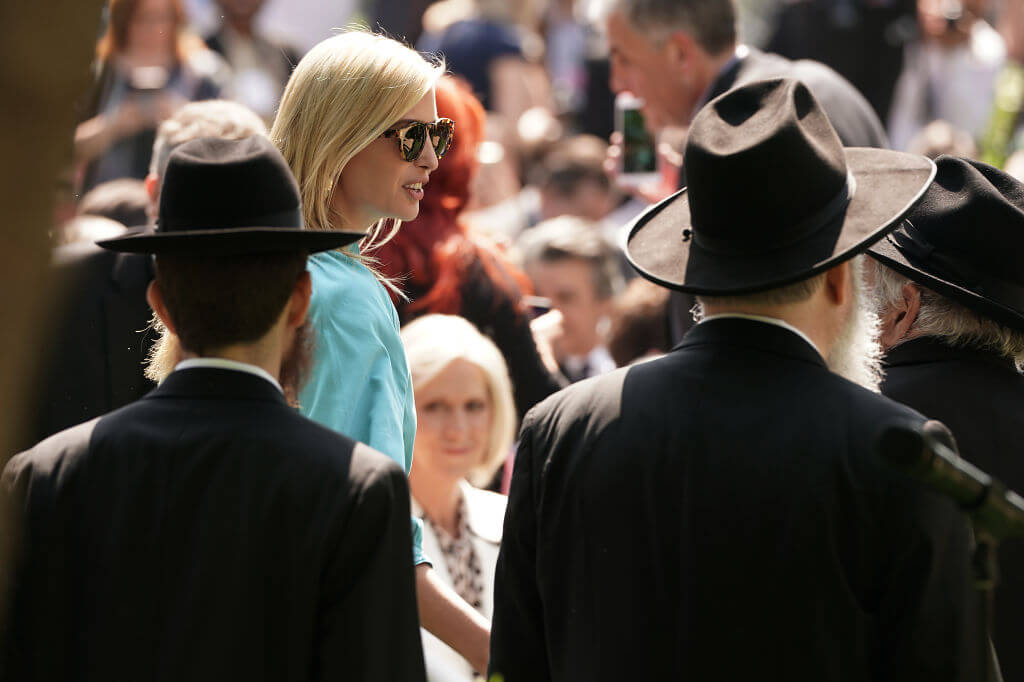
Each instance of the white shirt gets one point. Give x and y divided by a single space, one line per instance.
767 320
597 361
224 363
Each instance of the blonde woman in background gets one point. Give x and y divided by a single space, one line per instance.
466 422
358 125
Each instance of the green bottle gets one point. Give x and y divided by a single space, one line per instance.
997 139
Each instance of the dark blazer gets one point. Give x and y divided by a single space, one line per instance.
93 359
980 397
719 514
209 532
851 115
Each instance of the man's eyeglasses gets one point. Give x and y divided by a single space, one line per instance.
411 137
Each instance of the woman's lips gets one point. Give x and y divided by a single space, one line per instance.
415 190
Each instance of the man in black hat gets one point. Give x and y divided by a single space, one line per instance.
949 287
207 531
719 513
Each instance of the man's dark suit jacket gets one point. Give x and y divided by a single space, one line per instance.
980 397
209 532
93 359
851 115
719 514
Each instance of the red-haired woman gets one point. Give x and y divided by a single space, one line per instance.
147 65
444 268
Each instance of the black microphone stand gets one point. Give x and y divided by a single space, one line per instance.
985 566
995 512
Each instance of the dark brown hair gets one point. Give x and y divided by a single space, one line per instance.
217 301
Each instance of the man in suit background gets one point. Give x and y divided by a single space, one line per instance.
679 54
260 64
208 531
571 263
948 287
720 512
95 357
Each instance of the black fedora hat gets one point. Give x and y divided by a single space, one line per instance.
773 197
229 197
965 240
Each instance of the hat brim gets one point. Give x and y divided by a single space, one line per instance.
887 185
239 241
888 254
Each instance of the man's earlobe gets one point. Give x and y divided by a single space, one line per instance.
301 297
156 302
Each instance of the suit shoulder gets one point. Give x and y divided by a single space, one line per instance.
369 464
320 445
588 398
54 454
871 408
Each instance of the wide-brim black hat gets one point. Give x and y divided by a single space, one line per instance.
965 240
229 197
773 198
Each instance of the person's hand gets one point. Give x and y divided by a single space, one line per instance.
669 163
547 334
167 103
128 119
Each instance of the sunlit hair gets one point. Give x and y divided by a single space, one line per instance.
209 118
797 292
120 14
433 342
938 316
343 95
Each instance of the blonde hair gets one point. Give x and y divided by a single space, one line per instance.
342 96
433 342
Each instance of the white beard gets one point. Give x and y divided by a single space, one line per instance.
856 355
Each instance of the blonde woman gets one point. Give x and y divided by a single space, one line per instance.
358 125
465 425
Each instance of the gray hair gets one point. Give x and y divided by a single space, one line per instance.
947 320
712 23
574 238
796 292
209 118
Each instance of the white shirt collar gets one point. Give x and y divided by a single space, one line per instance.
224 363
767 320
597 361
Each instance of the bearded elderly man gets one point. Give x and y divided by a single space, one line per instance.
949 288
720 512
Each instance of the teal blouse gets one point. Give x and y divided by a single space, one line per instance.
360 384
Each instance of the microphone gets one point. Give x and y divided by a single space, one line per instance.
926 452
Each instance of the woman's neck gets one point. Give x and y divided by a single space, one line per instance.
439 496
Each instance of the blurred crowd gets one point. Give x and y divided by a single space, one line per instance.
511 281
943 76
